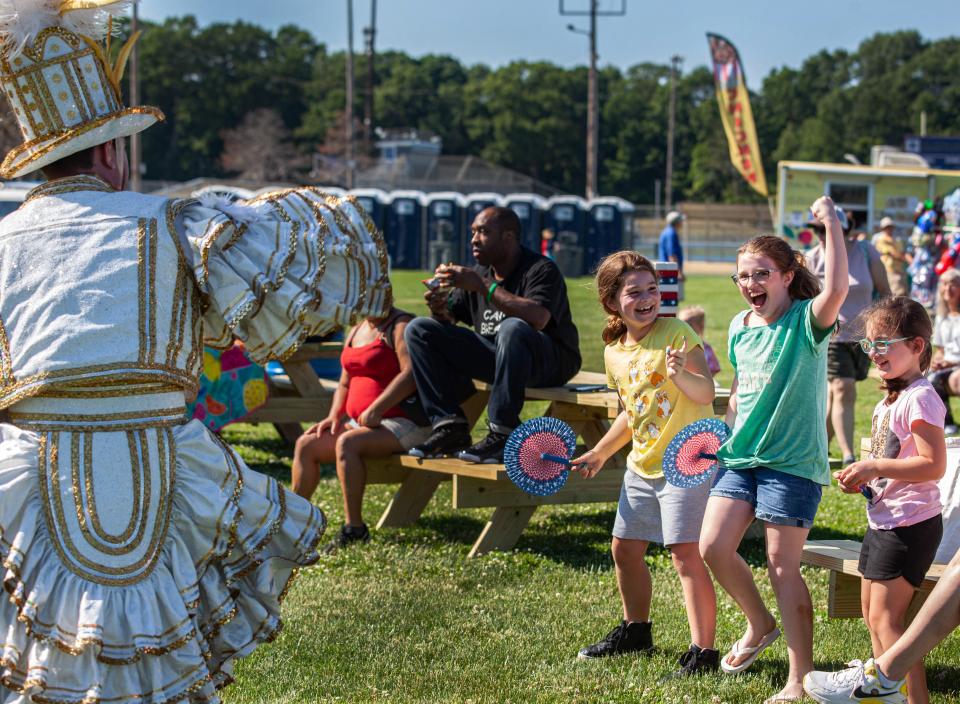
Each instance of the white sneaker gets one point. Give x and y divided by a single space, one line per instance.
861 682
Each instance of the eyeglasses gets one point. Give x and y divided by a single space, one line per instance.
879 346
760 276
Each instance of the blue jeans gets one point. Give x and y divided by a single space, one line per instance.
446 357
777 497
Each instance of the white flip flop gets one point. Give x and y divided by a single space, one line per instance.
752 652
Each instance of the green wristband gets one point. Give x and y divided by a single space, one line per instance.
490 291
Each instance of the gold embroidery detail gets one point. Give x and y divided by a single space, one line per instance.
50 142
6 362
59 530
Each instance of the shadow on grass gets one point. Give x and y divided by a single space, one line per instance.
452 527
825 533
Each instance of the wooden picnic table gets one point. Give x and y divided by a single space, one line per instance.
841 558
306 399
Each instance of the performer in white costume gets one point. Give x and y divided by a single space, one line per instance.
141 557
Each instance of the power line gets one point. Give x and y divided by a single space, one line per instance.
593 102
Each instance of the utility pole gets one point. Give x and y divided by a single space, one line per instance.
349 108
675 62
135 181
593 117
593 100
369 34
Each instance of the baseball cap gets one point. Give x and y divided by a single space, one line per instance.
886 222
674 216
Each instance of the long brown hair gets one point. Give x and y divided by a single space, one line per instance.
899 316
804 284
610 275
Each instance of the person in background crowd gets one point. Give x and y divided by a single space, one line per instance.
895 259
670 249
546 243
846 362
368 419
696 318
945 367
523 335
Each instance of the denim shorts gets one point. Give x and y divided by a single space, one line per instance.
777 497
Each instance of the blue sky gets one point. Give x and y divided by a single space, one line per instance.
495 32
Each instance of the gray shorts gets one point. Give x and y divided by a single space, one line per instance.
408 433
658 512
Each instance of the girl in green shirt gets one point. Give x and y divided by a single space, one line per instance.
775 461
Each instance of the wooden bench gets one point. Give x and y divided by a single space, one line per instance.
841 558
487 486
303 398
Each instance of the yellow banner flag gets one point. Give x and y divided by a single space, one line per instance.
735 112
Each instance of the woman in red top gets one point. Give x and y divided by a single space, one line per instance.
365 419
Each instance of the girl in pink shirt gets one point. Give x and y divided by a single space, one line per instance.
907 457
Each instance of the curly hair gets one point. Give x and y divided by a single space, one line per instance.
610 274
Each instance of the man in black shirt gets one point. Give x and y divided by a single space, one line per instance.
523 335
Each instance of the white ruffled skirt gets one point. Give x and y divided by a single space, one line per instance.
139 563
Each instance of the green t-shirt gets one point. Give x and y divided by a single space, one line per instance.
781 395
656 408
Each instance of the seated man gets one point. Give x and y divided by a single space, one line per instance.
523 335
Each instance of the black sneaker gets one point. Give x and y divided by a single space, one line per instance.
447 439
487 451
347 536
696 661
626 638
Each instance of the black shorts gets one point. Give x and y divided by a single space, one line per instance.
904 552
845 360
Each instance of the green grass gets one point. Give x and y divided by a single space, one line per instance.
409 618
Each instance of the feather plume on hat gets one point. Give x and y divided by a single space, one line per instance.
22 20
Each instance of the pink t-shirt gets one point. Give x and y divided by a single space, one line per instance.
899 503
713 364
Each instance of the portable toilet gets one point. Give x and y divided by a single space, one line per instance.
609 228
404 228
566 217
374 202
443 239
529 207
473 205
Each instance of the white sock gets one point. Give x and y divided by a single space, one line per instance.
884 681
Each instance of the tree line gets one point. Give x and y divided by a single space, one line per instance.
221 82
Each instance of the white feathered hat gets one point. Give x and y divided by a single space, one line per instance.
57 75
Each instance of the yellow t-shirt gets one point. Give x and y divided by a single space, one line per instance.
656 409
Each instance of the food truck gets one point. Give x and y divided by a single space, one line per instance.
866 193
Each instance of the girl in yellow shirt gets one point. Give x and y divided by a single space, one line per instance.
658 368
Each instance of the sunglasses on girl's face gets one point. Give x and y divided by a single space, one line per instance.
879 346
760 276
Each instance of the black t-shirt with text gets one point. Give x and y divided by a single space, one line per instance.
536 278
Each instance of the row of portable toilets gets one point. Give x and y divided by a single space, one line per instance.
424 230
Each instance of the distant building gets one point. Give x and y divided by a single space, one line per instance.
938 151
